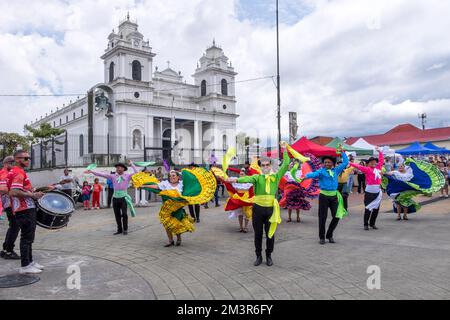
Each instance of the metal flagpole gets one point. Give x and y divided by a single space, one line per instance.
280 155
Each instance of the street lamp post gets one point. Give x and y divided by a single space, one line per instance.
280 155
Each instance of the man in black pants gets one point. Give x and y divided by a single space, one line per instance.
194 211
13 229
121 198
24 209
329 197
265 204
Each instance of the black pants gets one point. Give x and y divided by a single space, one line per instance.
222 187
326 202
341 187
216 196
68 192
197 211
12 233
120 211
361 183
261 224
27 223
110 196
370 217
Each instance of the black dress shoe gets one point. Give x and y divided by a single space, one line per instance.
198 221
374 227
125 233
366 227
11 256
169 244
118 232
322 241
269 261
331 240
258 261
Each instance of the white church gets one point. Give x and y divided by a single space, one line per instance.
152 114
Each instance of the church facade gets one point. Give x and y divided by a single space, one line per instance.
151 114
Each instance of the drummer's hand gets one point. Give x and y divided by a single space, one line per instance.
38 195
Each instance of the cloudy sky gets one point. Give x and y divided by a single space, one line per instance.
348 67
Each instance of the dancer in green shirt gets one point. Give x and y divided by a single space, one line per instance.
266 210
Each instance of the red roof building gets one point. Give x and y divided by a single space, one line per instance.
322 140
405 134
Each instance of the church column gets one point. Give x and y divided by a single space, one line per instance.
149 136
172 139
197 142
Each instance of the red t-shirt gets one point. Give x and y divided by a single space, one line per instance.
18 179
97 187
5 199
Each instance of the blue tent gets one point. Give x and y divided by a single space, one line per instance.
415 149
437 149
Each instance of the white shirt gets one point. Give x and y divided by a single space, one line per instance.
166 185
67 186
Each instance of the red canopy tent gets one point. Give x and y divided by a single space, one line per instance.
306 146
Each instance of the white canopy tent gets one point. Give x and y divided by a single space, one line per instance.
388 152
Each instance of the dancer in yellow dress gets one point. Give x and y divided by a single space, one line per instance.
191 186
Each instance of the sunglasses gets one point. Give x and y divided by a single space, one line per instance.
265 165
24 158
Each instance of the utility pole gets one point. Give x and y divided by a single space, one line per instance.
423 117
280 155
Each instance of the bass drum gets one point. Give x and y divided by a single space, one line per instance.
54 210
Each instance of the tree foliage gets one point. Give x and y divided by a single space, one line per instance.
44 132
12 142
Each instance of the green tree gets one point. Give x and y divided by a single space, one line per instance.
44 135
44 132
11 142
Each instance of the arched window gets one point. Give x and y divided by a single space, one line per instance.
136 70
81 145
82 112
224 84
137 139
60 121
203 88
67 119
111 72
224 142
74 116
54 124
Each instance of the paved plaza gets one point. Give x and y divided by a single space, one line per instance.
216 262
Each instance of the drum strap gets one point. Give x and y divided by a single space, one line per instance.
119 194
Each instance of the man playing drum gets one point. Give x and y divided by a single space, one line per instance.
24 208
13 228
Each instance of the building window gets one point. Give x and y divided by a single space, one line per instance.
74 116
54 124
111 71
203 88
81 145
67 119
137 139
60 121
82 112
224 142
137 95
224 107
136 70
224 84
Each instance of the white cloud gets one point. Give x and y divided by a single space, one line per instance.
349 67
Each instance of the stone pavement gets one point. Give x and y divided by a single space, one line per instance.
216 262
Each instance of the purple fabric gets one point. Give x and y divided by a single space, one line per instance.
126 177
